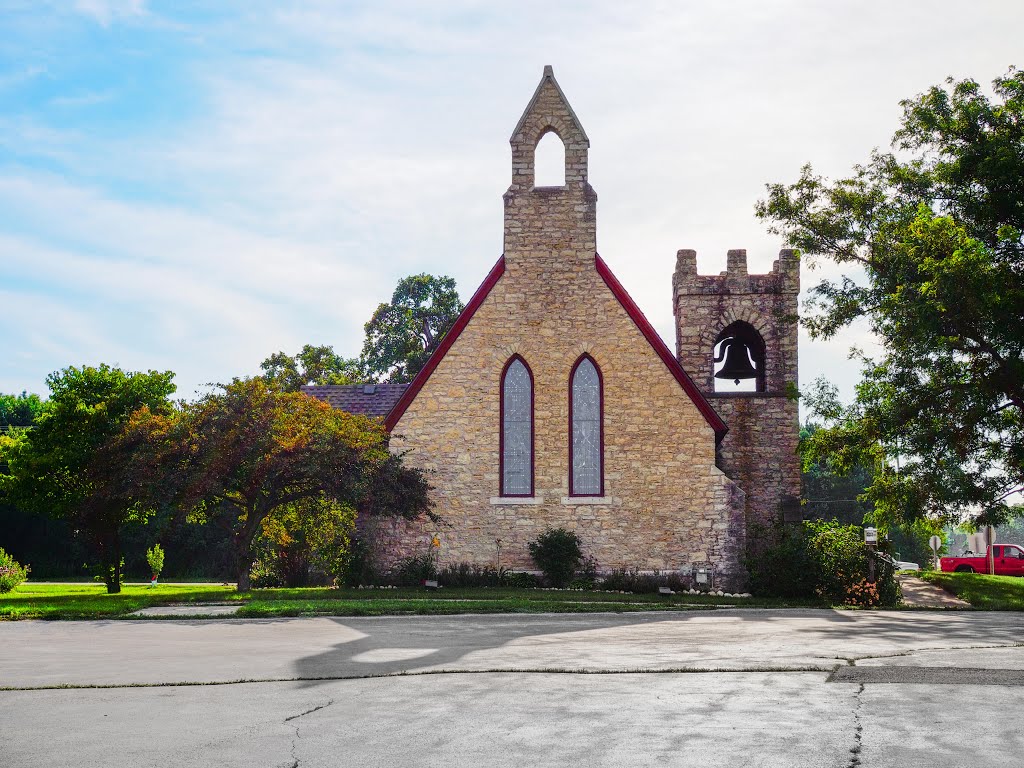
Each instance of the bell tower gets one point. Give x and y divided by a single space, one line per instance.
553 228
736 335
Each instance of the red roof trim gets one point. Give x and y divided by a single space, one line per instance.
713 419
432 362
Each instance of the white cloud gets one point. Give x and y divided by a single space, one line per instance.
152 286
83 99
105 12
20 76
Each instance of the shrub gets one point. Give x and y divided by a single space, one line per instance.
632 580
519 580
264 573
841 565
469 575
307 543
777 561
360 569
557 553
12 573
155 559
818 559
413 571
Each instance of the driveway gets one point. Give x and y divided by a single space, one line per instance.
708 688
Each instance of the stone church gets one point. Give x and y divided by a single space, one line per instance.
554 403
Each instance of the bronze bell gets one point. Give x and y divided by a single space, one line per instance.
737 361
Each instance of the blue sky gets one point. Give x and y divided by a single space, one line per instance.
194 186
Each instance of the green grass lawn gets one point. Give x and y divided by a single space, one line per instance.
990 593
90 601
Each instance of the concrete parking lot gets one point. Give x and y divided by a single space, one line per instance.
708 688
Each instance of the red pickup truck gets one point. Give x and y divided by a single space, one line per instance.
1008 560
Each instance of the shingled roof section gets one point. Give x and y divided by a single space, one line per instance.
363 399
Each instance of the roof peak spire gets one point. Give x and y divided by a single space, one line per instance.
562 119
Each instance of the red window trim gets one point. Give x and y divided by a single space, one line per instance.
600 402
501 431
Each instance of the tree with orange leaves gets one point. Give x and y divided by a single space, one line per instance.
237 456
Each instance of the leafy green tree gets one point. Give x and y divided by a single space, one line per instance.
238 456
832 496
71 464
19 410
932 243
155 560
307 541
402 335
829 495
312 365
1013 531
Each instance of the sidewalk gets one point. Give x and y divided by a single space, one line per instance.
918 593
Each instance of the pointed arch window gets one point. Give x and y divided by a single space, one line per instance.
516 450
586 429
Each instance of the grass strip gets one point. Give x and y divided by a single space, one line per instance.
988 593
90 601
420 607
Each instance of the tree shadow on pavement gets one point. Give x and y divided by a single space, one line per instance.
395 645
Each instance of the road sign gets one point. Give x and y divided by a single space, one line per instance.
870 535
935 542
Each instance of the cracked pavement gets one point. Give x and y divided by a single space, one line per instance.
790 688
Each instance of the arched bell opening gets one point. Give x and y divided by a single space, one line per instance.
739 359
549 160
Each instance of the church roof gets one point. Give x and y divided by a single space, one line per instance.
625 300
363 399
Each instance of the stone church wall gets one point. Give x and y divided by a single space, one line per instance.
667 506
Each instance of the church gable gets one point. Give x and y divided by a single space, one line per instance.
550 321
628 306
657 496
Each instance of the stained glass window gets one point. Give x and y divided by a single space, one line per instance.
517 431
587 472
